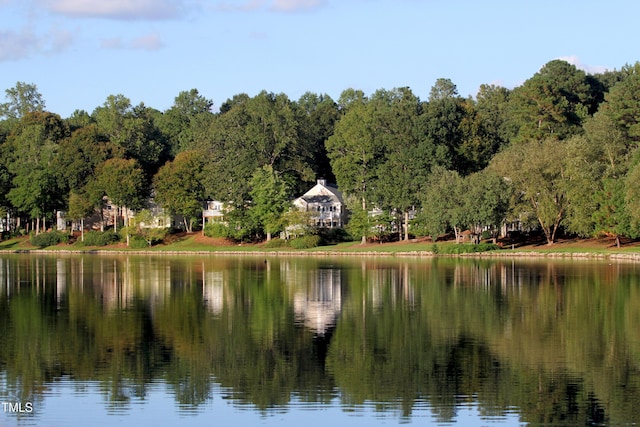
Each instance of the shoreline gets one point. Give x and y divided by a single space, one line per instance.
320 253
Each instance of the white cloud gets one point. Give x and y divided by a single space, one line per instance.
16 45
148 42
296 5
119 9
272 5
591 69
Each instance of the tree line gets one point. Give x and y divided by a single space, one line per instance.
558 153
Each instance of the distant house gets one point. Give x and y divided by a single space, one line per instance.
213 211
108 214
325 205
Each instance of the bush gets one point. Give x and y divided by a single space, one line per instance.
305 242
99 238
137 242
464 248
51 238
216 229
331 236
277 243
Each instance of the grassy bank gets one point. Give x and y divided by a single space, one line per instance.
196 243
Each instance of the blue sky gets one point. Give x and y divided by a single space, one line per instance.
80 51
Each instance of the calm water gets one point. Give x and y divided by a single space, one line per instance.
136 341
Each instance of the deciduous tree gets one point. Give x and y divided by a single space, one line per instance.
178 187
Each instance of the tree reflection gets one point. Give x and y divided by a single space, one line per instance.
556 342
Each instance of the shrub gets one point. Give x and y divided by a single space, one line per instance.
334 235
305 242
99 238
277 243
216 229
465 248
51 238
138 242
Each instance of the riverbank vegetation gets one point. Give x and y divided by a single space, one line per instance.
557 154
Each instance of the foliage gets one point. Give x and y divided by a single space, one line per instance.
145 226
31 149
297 223
270 197
464 248
441 201
277 243
566 141
217 230
50 238
305 242
122 181
359 224
537 171
100 238
139 242
178 186
22 99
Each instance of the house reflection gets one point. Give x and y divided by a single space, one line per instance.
317 295
213 284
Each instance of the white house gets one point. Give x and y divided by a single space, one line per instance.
213 211
325 205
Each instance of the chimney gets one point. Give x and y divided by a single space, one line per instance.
322 182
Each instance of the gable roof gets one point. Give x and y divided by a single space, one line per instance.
321 193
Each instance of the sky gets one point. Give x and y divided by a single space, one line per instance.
78 52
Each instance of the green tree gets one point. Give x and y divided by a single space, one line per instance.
31 150
553 103
270 199
251 133
408 154
319 113
123 182
80 207
485 201
537 171
79 154
178 187
133 129
180 123
441 203
355 154
22 99
442 116
632 198
622 105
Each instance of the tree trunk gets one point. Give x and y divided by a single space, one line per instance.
268 236
456 233
126 223
37 226
406 226
617 241
115 220
363 241
82 230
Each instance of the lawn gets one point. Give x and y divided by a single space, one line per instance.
198 243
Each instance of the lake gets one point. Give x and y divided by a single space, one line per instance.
211 340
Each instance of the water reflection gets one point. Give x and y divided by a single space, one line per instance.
554 343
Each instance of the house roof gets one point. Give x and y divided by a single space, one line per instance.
320 193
